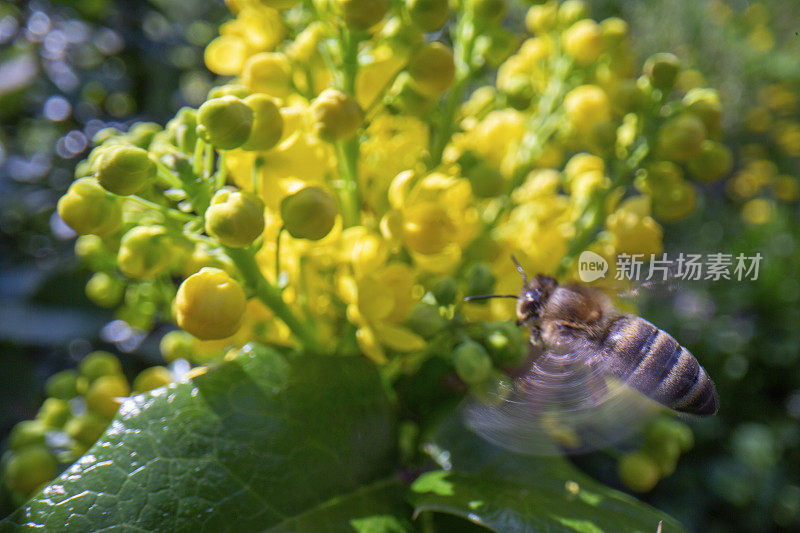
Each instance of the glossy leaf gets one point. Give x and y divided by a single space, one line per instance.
253 444
504 491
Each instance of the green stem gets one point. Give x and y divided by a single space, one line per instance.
594 212
221 176
166 176
347 153
463 45
278 253
271 297
166 211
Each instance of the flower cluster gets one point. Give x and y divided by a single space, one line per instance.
342 191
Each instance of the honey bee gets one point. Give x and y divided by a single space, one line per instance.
586 359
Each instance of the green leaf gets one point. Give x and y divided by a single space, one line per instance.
256 443
504 491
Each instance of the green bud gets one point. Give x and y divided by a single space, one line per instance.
519 92
105 393
124 169
445 291
665 453
27 433
429 15
705 103
406 99
681 137
507 345
267 123
489 12
473 364
177 344
141 134
54 413
29 468
151 378
86 429
63 385
229 89
668 429
105 290
486 180
98 364
480 279
309 213
184 129
714 161
225 122
638 471
662 69
360 15
425 320
145 252
89 209
235 218
401 37
105 135
432 68
337 115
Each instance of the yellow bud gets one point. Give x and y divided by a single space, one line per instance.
310 213
123 169
583 162
30 468
235 218
210 304
337 115
543 18
587 106
713 161
429 15
360 15
369 253
681 137
375 299
269 73
145 252
225 122
638 471
571 11
177 344
105 290
758 211
427 229
225 55
229 89
151 378
106 393
399 339
432 68
583 41
88 209
705 103
615 32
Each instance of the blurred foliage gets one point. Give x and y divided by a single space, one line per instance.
68 69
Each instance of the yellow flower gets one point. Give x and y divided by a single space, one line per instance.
633 230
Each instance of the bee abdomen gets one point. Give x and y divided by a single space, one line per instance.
652 362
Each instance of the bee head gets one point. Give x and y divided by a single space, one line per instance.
532 297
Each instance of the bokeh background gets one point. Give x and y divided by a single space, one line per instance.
71 68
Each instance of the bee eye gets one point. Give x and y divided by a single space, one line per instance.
533 294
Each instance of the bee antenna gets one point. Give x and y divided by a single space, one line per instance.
487 296
520 270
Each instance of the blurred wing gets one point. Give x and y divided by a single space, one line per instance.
568 401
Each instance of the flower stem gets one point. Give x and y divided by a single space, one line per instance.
166 211
271 297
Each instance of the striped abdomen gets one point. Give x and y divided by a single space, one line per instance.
652 362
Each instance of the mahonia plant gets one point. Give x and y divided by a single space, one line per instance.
359 172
